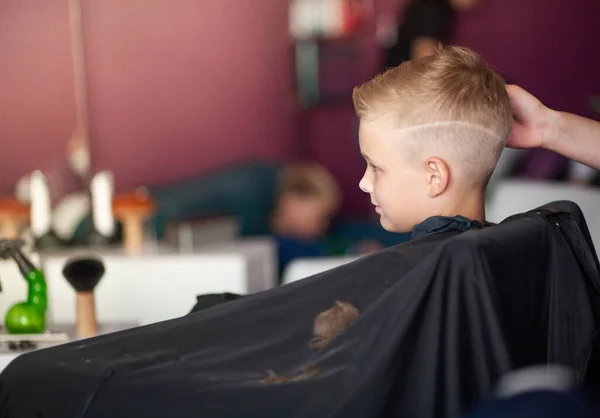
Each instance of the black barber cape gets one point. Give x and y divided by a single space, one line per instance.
442 317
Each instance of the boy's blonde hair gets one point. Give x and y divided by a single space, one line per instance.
451 105
311 180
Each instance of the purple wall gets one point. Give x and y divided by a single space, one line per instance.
36 86
548 46
187 85
175 88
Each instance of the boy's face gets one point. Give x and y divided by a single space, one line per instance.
306 217
398 190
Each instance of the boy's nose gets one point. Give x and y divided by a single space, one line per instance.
365 184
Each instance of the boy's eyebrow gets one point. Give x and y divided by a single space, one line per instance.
365 156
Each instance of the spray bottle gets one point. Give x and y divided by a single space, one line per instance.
27 317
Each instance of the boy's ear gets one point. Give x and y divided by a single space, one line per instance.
437 174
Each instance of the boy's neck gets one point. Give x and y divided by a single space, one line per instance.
471 207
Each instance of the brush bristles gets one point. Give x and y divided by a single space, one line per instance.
84 274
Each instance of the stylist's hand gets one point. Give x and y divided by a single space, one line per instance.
531 121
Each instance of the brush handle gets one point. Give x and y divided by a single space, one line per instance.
133 234
86 315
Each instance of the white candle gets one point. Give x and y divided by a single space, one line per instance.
41 206
101 189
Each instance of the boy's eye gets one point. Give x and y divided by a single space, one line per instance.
372 167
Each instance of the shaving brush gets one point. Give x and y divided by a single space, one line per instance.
83 274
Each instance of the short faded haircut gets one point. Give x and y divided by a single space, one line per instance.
450 104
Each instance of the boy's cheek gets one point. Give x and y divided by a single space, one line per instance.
314 226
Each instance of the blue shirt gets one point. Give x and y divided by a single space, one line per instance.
290 248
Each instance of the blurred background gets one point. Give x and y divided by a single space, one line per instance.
199 108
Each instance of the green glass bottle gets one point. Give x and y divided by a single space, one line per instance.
28 317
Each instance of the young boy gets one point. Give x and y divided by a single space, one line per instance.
308 197
431 131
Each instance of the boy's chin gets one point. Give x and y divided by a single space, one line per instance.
393 227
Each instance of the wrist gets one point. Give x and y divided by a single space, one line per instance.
551 128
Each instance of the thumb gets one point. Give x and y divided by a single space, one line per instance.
519 137
523 103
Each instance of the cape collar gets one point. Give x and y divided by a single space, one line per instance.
438 224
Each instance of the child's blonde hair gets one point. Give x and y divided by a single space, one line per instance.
311 180
450 104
